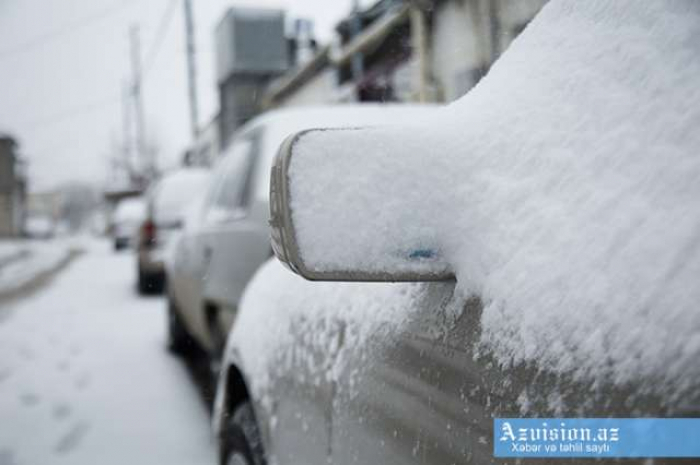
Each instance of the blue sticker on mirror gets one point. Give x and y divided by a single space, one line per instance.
422 254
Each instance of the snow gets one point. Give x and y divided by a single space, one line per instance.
10 248
22 261
279 124
130 210
176 190
85 377
39 226
277 301
562 190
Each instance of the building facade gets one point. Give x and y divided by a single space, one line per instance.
406 51
430 51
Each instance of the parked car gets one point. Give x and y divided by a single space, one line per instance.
126 220
166 203
228 240
531 252
38 226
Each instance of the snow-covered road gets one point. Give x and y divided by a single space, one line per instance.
85 377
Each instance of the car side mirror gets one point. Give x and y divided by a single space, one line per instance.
327 219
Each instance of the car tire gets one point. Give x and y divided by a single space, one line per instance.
240 442
179 340
150 284
142 283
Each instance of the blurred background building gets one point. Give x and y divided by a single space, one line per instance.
430 51
406 51
13 188
251 50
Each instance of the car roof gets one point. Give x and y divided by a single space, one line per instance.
318 113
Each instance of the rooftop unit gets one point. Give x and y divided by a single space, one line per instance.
251 41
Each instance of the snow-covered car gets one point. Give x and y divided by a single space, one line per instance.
39 227
166 203
227 237
126 220
547 223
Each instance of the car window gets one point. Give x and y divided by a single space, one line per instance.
226 200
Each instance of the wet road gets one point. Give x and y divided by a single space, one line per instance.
85 377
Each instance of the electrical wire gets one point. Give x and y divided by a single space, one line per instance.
161 33
68 29
91 107
71 113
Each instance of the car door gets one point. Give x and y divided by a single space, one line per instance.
235 240
299 347
427 393
404 396
197 248
184 273
419 395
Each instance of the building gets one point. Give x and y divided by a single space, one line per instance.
47 204
13 189
251 50
406 51
392 51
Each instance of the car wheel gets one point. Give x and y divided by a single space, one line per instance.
150 283
143 284
240 442
179 340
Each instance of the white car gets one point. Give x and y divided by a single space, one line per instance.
167 202
550 222
227 238
39 227
126 220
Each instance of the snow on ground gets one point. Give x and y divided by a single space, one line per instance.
21 261
10 248
85 377
563 190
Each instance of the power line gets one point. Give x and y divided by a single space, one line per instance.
71 113
96 105
161 32
191 69
68 29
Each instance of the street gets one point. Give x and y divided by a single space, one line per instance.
85 377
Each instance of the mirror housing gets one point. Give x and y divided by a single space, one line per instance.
419 262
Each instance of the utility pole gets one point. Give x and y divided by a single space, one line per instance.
126 129
191 69
141 150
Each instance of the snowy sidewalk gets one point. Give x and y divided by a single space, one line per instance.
85 377
24 261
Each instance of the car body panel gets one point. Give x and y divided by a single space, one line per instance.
418 391
167 202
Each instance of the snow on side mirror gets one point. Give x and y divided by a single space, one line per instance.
335 217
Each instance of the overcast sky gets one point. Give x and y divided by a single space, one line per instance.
63 62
